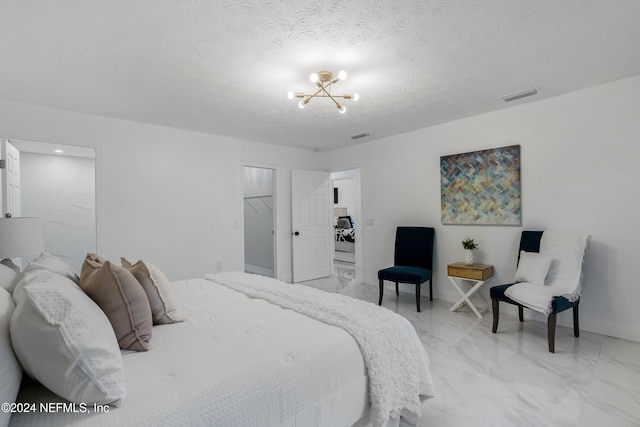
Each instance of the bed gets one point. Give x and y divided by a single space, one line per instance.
250 351
345 235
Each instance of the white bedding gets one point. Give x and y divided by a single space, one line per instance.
397 364
236 361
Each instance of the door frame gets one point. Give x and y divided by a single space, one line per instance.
275 170
356 174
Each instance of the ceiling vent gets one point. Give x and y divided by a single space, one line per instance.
362 135
519 95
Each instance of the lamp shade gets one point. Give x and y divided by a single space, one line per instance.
20 237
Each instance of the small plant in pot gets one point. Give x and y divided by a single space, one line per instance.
469 246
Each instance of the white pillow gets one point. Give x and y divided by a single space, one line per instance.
46 261
532 267
66 342
10 369
38 276
7 278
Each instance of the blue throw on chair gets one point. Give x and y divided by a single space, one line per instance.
413 260
545 285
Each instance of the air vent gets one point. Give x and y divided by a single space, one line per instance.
362 135
519 95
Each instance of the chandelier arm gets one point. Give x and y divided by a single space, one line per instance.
328 93
311 96
316 95
332 98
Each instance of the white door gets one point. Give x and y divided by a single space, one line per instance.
10 178
310 221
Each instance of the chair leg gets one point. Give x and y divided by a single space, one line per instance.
495 307
576 323
397 292
551 332
430 290
381 291
521 313
418 296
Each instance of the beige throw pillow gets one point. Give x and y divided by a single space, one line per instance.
118 293
158 290
96 258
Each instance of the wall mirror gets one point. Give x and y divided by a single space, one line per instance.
56 183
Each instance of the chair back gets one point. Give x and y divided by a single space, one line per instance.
529 242
567 250
414 247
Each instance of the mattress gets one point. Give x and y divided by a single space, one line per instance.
234 361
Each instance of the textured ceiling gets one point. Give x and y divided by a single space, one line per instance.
225 67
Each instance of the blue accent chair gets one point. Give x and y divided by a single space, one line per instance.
530 242
413 260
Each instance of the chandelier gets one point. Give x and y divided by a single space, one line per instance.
324 80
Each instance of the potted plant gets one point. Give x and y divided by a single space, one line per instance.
469 246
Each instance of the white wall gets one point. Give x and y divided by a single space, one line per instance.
61 191
170 196
579 171
174 197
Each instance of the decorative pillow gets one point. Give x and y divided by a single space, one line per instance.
65 341
96 258
38 276
158 290
532 267
118 293
46 261
10 369
8 278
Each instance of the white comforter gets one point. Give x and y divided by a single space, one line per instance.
397 364
236 361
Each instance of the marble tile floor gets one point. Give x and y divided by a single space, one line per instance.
510 378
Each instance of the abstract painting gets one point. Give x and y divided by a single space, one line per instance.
481 187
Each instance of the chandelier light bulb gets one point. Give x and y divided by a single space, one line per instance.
356 96
301 104
313 77
342 108
290 94
342 75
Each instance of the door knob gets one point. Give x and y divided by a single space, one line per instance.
297 233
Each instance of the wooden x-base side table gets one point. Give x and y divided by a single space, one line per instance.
478 273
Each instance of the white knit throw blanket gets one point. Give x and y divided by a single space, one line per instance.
397 363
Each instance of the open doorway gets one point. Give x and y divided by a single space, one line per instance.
347 252
259 221
56 183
